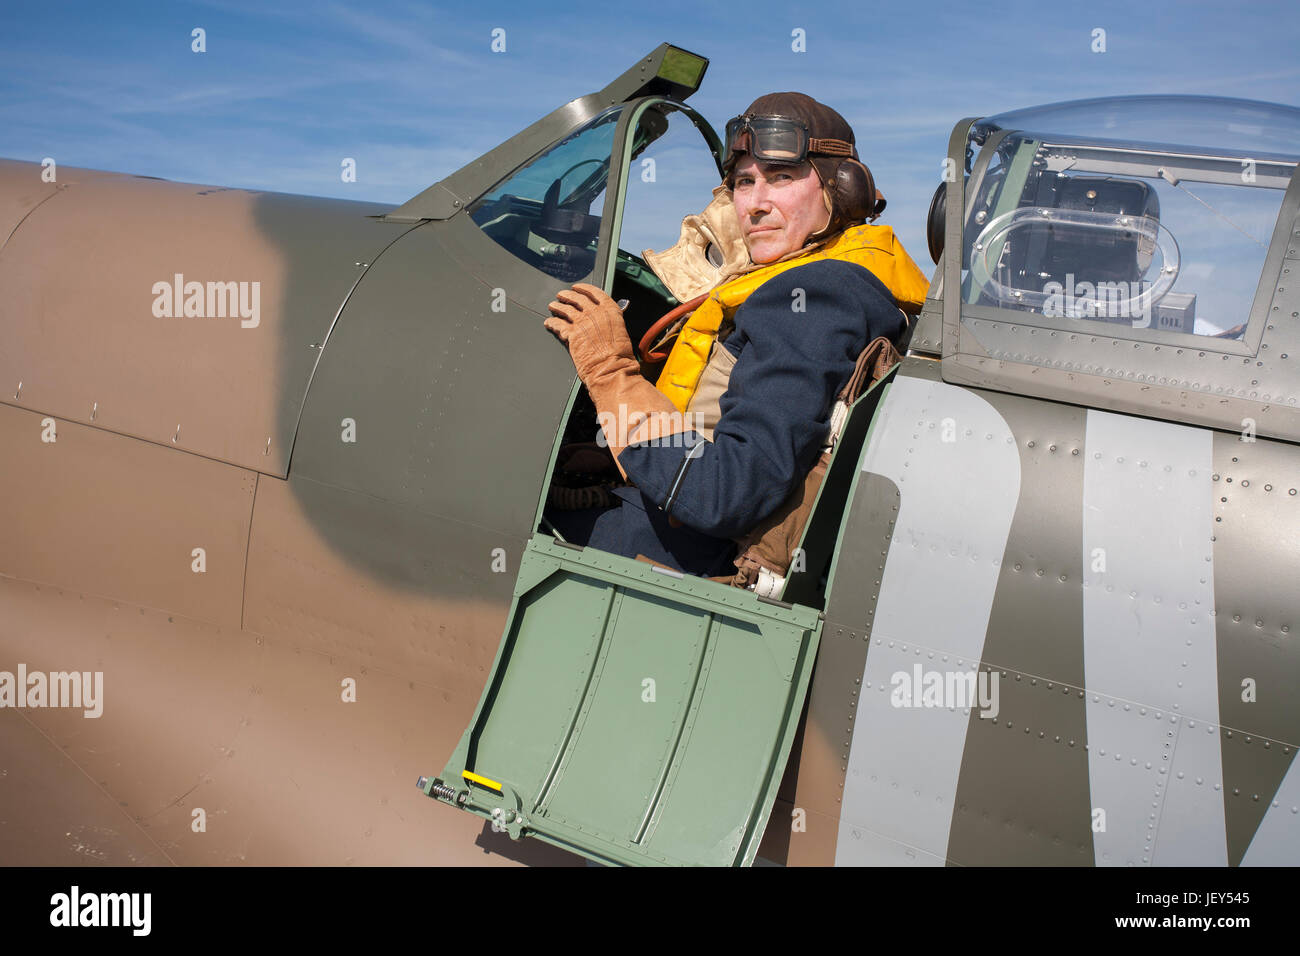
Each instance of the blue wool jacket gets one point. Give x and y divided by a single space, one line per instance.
774 417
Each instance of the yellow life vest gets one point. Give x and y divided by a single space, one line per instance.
874 247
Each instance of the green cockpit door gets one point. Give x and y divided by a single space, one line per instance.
633 715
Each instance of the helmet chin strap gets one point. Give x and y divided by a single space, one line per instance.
830 214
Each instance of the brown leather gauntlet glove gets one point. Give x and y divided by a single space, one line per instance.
629 408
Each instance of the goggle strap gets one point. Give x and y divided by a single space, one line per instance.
830 147
826 147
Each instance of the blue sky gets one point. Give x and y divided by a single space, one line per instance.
412 90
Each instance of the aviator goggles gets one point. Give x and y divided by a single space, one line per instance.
777 139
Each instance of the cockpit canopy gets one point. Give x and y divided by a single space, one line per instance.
1154 211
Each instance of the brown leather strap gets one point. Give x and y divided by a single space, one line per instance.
853 387
772 542
886 358
874 361
831 147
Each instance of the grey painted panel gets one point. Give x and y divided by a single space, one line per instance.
927 335
1184 397
1036 625
1257 567
949 539
955 213
1148 631
1036 744
1022 798
473 253
456 405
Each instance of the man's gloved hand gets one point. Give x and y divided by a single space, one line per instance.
591 324
628 407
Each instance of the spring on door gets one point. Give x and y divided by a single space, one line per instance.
444 791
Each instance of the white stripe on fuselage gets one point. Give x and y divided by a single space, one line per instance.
1150 669
958 498
1277 841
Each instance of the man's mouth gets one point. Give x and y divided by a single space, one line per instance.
763 229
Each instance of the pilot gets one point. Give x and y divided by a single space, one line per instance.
742 406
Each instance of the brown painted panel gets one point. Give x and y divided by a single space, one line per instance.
434 614
21 191
251 729
82 283
111 515
52 815
805 838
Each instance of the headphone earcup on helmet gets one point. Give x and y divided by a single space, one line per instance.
855 191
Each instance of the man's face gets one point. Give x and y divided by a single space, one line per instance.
778 207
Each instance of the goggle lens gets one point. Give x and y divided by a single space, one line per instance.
770 140
779 142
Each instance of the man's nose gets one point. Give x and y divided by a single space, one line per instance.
759 200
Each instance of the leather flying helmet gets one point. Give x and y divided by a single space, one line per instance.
789 128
